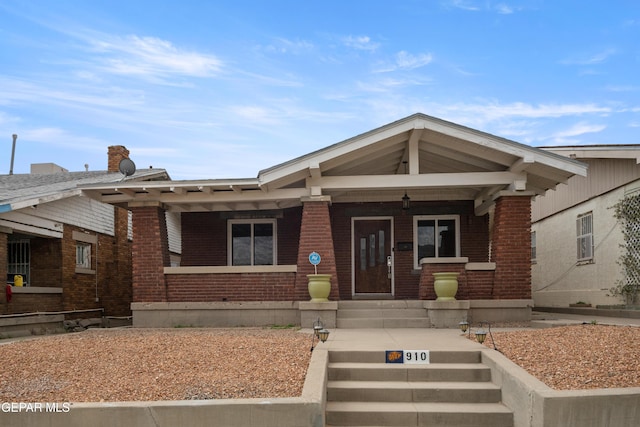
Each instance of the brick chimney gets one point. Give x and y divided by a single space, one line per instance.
116 154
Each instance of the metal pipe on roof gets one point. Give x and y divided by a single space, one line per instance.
13 153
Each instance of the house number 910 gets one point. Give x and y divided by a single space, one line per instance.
416 356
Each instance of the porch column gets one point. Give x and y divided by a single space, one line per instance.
316 236
511 247
150 254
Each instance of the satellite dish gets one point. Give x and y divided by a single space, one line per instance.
127 167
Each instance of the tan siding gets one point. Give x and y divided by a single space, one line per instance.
603 176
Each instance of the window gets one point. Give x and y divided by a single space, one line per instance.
252 242
84 243
584 233
533 247
436 237
18 260
83 256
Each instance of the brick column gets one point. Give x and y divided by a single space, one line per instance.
316 235
150 254
511 247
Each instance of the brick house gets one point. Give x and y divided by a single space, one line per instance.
384 209
72 253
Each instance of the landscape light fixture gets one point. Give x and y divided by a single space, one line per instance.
464 325
320 332
406 200
480 333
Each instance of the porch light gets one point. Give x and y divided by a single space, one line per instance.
320 332
406 202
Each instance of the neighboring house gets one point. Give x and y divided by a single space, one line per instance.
72 253
575 234
384 209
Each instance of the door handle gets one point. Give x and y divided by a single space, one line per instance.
389 267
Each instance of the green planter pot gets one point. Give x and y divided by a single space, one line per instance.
319 287
446 286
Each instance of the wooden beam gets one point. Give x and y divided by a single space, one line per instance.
414 152
522 164
205 189
433 180
314 170
152 191
178 190
126 191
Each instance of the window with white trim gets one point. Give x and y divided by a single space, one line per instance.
584 234
83 255
86 244
436 236
252 242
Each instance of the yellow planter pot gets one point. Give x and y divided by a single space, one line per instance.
446 286
319 287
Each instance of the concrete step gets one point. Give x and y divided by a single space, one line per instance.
452 372
418 414
367 356
403 391
379 322
353 313
382 314
385 304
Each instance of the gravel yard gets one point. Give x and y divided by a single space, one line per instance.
576 357
142 364
178 364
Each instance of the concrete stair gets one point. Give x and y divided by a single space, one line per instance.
382 314
455 389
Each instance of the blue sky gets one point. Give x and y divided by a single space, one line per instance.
223 89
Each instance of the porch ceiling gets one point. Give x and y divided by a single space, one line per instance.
429 158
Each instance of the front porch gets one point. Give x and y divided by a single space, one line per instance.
352 314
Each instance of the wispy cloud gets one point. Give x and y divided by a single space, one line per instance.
405 61
579 129
463 4
390 84
622 88
571 135
495 111
590 59
151 56
477 6
53 136
360 43
504 9
284 46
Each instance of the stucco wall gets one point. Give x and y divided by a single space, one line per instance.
557 279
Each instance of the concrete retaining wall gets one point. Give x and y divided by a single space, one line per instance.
30 324
304 411
214 314
537 405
